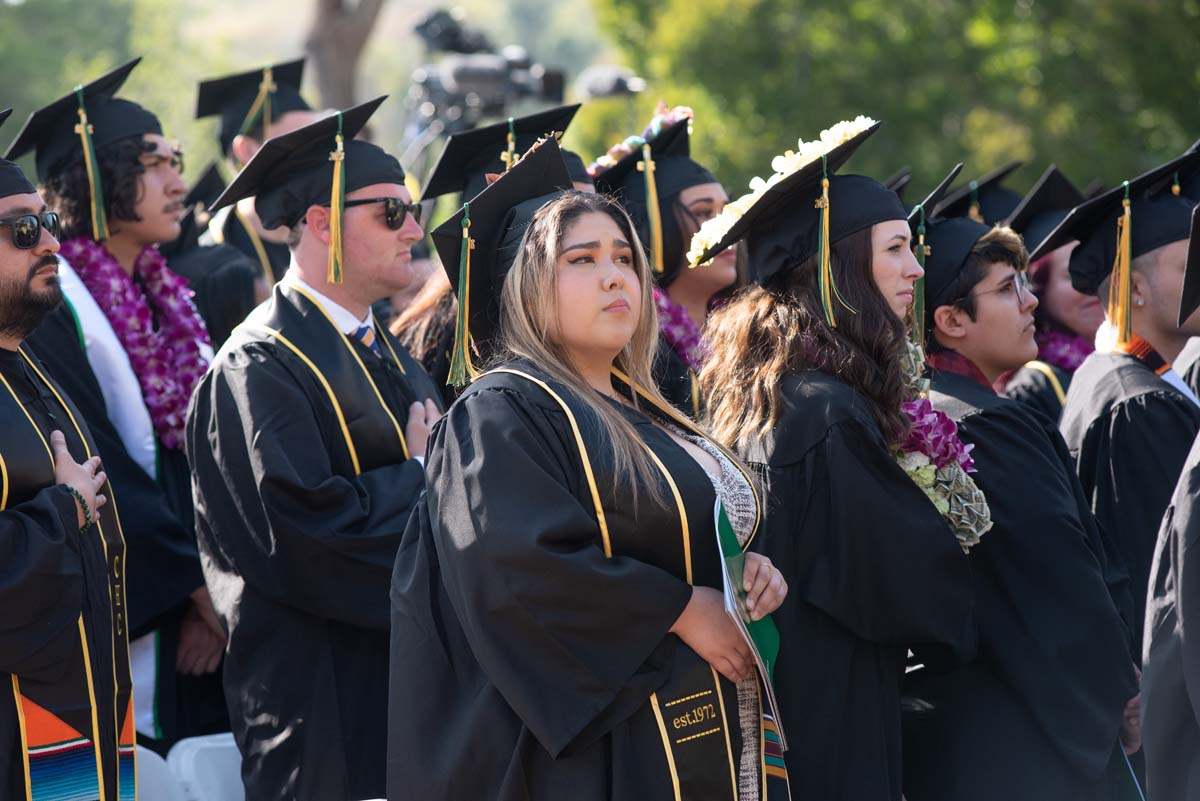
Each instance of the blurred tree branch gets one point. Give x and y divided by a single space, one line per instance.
335 44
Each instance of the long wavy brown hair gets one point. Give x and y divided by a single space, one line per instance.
767 332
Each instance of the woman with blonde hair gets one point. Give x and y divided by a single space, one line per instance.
807 381
558 623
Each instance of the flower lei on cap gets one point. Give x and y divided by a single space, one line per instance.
664 117
714 230
937 460
167 361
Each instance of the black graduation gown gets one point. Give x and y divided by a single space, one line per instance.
1171 671
63 632
228 229
1036 714
525 663
1040 386
1129 432
300 510
1187 364
872 570
676 381
163 563
223 279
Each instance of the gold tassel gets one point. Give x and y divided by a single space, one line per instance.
918 307
462 371
337 206
1120 289
261 106
92 166
1175 188
509 156
647 166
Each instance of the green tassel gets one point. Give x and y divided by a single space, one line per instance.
92 165
918 309
462 371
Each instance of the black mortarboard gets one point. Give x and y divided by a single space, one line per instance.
1044 207
899 181
196 202
782 226
1189 299
498 217
73 126
303 168
12 177
984 198
918 221
674 171
51 130
249 99
576 168
468 157
1153 217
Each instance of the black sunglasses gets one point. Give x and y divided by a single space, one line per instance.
395 210
27 228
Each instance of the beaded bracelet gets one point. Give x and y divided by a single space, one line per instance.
87 512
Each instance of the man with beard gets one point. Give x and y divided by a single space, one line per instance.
129 347
68 721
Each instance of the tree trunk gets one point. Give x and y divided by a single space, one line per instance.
335 43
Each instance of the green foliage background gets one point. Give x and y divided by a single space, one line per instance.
1104 88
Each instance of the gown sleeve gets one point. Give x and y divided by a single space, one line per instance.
1048 625
162 561
865 545
556 626
41 583
270 501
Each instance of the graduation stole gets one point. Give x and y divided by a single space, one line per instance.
61 741
689 710
342 375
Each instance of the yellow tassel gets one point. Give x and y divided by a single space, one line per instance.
84 129
1175 188
973 212
647 166
336 208
262 102
509 156
1120 289
462 370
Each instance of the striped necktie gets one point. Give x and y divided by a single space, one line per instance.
365 334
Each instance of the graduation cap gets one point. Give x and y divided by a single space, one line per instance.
76 124
196 203
468 157
646 183
12 177
248 99
983 199
314 166
1189 299
899 181
1117 227
479 244
806 213
1044 207
917 221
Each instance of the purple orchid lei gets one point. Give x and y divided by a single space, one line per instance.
1063 350
168 361
935 435
681 333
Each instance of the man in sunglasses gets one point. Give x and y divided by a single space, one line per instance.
306 440
1053 683
63 644
130 347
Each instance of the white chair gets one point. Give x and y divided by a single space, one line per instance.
209 768
155 780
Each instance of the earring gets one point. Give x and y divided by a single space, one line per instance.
1141 302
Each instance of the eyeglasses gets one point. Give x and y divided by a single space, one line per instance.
26 229
1018 286
395 210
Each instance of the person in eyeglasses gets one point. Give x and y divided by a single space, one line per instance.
307 441
1038 711
66 715
129 347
